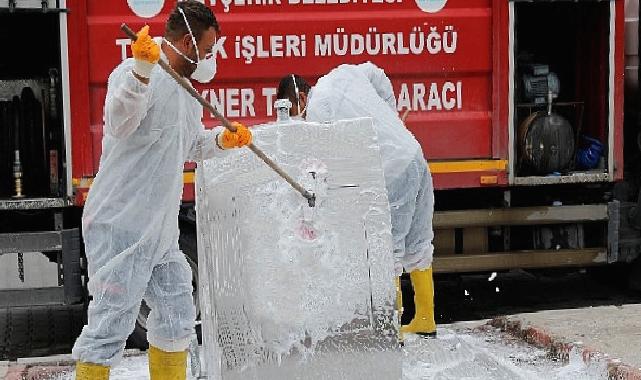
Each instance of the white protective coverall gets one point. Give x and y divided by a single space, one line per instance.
364 90
130 219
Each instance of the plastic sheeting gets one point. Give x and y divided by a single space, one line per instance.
293 292
364 90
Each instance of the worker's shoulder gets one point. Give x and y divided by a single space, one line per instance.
158 78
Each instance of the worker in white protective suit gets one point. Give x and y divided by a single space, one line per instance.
364 90
130 220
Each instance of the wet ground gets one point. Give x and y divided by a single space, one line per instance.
462 351
488 355
459 352
41 331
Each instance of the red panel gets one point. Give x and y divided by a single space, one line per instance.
500 79
465 130
450 92
445 181
466 136
465 122
619 63
189 194
97 99
81 143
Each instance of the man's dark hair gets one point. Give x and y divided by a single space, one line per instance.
287 89
199 16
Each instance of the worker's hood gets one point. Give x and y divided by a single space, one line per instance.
352 91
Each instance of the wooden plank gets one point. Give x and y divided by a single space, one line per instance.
520 216
444 242
475 240
519 259
586 177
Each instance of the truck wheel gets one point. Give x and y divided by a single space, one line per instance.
188 244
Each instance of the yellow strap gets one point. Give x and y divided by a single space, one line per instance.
189 177
441 167
436 167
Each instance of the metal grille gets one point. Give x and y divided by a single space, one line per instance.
30 4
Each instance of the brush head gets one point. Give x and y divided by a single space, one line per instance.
311 199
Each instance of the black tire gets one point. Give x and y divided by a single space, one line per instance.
189 246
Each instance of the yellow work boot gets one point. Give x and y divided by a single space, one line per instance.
423 322
167 365
90 371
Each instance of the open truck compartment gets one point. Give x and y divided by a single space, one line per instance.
560 205
34 165
562 90
32 139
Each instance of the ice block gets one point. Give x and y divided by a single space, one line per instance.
293 292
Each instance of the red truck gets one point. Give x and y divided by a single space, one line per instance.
519 107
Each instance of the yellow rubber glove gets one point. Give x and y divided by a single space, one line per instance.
240 138
146 52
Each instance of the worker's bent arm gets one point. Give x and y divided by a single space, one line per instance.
205 145
126 105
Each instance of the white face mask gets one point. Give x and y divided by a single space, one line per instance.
205 68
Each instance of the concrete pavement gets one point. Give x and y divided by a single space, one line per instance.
610 334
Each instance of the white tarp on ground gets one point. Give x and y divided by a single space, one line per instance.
288 291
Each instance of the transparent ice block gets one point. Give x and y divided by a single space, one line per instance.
293 292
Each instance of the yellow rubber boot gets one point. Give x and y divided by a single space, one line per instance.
167 365
423 322
90 371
